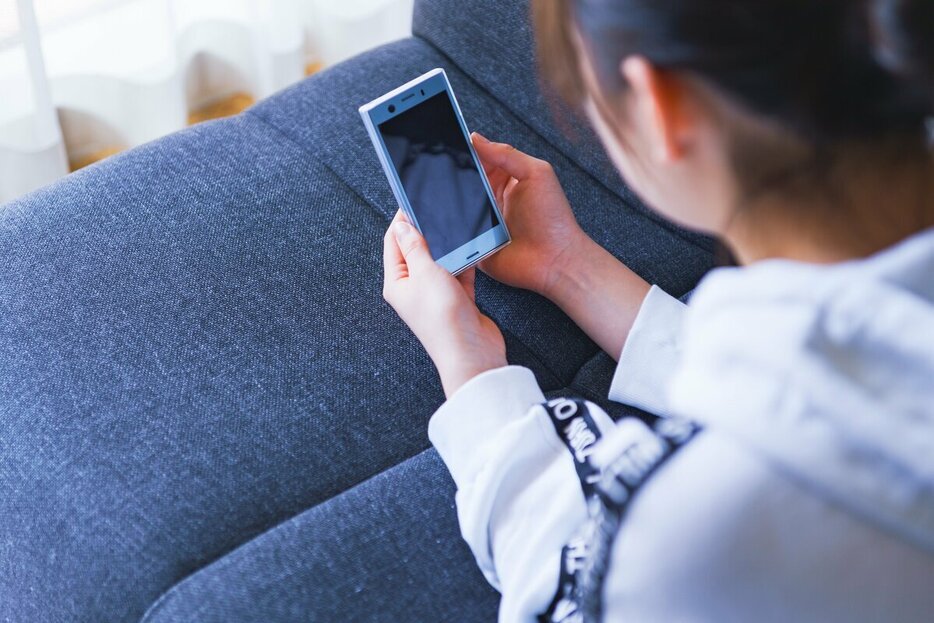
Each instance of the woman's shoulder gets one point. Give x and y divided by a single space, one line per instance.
828 376
721 534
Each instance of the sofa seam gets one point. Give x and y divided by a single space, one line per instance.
562 382
253 114
159 602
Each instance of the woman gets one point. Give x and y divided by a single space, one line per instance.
807 492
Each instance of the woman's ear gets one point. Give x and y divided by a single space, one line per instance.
660 105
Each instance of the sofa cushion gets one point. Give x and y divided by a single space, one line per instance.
386 550
196 349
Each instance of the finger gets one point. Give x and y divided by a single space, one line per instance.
468 280
497 177
509 188
518 164
498 182
489 168
394 267
413 247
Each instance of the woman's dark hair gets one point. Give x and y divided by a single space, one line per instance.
831 71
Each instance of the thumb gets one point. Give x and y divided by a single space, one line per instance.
413 246
516 163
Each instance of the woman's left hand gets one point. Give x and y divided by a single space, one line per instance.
439 308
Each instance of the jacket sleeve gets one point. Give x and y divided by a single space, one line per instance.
650 355
519 499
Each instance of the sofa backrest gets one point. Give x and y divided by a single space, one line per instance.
491 41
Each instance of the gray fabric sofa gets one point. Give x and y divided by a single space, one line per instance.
197 370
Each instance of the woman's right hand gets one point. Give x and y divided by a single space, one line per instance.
551 255
544 232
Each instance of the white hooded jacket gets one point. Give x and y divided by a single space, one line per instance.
808 497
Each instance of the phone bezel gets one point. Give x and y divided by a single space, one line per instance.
405 98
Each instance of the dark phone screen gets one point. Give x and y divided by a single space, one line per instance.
431 156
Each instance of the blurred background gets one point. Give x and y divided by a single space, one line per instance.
81 80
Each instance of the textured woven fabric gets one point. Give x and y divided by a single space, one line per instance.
383 551
193 346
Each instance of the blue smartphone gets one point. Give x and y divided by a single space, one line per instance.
422 142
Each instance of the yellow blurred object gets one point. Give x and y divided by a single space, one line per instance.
225 107
88 159
313 68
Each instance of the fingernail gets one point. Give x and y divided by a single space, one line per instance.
482 138
401 229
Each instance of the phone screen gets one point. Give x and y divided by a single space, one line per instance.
429 151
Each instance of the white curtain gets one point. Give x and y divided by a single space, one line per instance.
94 75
